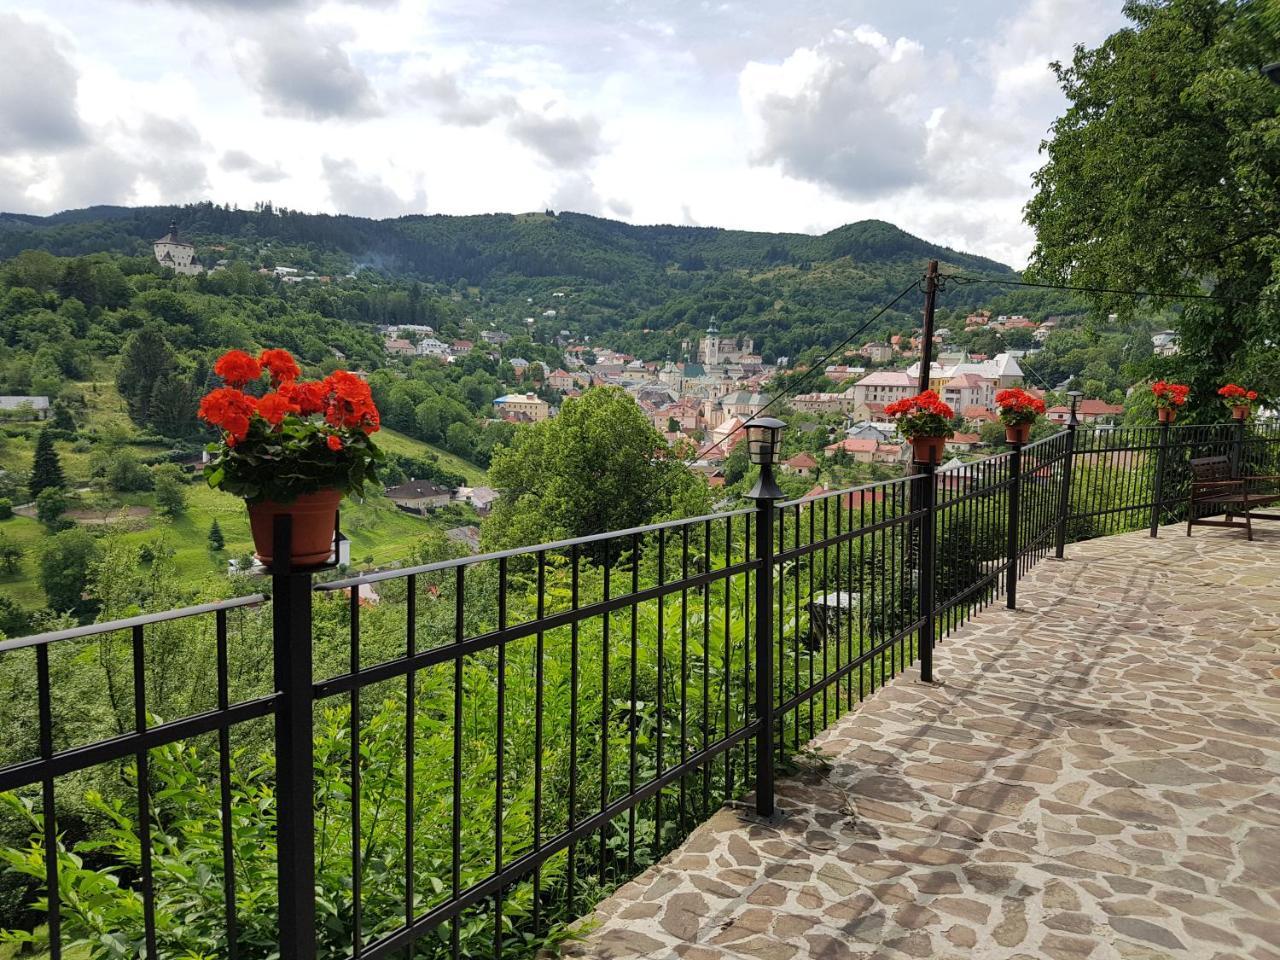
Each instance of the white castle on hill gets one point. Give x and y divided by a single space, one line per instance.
177 255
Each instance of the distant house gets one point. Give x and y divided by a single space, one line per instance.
801 465
860 449
1089 411
431 347
495 337
561 380
527 407
399 347
481 498
962 442
24 408
419 496
1165 343
175 253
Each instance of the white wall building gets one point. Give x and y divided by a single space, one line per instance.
175 253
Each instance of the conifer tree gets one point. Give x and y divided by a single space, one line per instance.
46 471
216 541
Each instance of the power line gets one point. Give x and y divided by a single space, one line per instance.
960 278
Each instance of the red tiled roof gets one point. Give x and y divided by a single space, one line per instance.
804 459
852 445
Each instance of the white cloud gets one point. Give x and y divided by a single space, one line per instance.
844 114
302 70
362 194
37 89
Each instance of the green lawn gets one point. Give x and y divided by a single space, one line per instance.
393 442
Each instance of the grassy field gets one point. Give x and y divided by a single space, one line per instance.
393 442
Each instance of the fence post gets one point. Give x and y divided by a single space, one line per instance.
1015 494
1237 446
295 750
1158 498
927 501
1064 499
764 499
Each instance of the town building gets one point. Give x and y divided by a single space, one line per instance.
803 464
1165 343
1088 411
175 253
715 350
522 407
419 496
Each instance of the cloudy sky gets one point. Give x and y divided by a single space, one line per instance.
798 115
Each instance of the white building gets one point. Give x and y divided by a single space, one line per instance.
175 253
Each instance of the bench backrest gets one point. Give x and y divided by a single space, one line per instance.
1206 469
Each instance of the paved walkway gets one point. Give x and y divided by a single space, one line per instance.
1096 776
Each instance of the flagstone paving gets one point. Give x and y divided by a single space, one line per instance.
1095 775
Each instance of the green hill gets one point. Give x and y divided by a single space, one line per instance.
642 288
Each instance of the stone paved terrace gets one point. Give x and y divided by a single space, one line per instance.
1097 775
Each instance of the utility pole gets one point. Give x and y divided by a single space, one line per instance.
926 342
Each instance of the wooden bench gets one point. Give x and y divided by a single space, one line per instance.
1214 489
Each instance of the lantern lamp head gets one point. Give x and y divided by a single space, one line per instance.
764 440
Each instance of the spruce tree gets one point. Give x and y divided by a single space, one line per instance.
46 471
216 542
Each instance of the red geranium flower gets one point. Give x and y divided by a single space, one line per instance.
274 407
229 410
333 441
237 368
281 365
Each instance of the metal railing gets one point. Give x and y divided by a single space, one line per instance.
465 755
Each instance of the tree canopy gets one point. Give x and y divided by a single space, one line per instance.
600 465
1164 175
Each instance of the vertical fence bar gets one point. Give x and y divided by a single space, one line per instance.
764 656
224 792
48 809
1015 491
295 747
1237 445
928 495
1157 498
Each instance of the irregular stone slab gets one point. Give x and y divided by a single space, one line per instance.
1092 778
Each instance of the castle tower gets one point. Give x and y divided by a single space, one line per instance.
175 253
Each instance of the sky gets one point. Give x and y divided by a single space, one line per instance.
799 115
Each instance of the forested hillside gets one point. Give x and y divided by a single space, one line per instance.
640 288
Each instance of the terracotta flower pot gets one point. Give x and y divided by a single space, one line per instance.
1166 414
927 449
315 515
1240 411
1017 432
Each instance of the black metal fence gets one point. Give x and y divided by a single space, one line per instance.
462 757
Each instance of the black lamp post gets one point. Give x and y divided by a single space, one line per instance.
1073 397
764 448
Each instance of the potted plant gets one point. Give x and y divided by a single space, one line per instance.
290 446
926 423
1169 397
1238 399
1018 411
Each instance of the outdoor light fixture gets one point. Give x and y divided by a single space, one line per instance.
764 448
1073 397
1272 72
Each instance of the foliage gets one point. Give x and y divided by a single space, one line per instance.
50 507
46 470
64 568
170 485
301 437
6 508
600 465
1164 175
10 555
216 540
